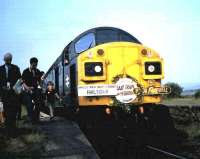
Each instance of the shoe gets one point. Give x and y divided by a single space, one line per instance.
2 125
51 117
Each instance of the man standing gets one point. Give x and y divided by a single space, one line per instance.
9 74
31 79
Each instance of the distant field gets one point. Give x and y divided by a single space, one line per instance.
181 101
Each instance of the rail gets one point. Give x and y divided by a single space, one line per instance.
169 154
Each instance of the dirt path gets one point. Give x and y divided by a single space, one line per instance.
66 140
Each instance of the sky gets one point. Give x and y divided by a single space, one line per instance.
43 28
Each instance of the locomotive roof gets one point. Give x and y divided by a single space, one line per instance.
93 30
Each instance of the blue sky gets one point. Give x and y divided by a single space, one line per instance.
43 28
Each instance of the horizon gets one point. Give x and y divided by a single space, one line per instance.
43 29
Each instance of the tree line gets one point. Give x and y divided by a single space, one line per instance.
177 90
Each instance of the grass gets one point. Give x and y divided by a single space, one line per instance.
188 101
33 138
186 119
29 141
191 130
26 144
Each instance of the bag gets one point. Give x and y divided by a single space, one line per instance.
18 87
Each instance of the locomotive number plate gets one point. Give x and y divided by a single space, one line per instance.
97 90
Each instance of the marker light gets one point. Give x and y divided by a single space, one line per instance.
108 111
100 52
144 52
141 110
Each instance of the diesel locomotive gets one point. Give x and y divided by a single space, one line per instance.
105 67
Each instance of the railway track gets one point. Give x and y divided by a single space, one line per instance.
110 145
153 152
165 153
140 143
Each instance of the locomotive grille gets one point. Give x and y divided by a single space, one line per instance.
153 68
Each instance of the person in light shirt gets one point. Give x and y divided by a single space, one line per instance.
51 95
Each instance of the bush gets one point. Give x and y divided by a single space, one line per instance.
197 94
176 90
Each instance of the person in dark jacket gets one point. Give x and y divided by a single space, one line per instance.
31 78
9 74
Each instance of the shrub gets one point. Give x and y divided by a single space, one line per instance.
197 94
176 90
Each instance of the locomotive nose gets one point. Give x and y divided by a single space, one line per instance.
123 60
103 69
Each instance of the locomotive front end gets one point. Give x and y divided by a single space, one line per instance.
105 70
121 71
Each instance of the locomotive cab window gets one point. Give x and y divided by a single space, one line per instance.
85 42
105 36
128 38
